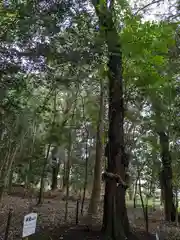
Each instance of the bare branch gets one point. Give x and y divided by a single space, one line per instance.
147 5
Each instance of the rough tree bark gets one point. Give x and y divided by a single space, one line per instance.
64 177
166 169
68 175
41 191
10 180
56 155
86 173
166 178
116 224
55 171
96 191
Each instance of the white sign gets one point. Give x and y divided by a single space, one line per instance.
29 226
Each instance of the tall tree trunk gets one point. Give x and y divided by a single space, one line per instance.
6 170
86 174
144 206
135 194
64 177
166 178
67 176
10 180
41 191
166 169
116 224
55 171
177 205
96 191
3 175
28 176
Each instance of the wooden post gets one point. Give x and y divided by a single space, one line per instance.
8 224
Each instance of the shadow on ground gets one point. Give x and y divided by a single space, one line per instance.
82 233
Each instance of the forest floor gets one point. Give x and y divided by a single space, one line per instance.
51 225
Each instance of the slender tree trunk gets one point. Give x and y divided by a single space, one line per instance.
6 171
177 205
10 179
40 197
144 207
64 177
96 191
166 169
3 178
85 176
28 177
41 191
67 176
55 171
135 192
166 178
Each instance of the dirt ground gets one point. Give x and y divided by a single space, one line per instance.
51 225
50 215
